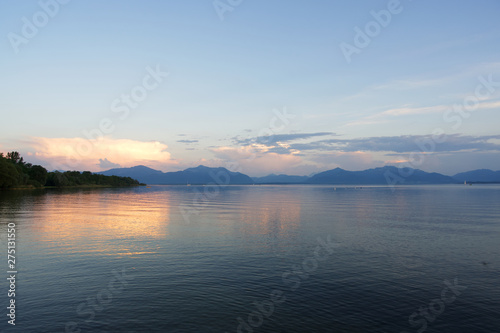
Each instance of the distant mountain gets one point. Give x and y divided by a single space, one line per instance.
377 176
142 173
203 175
280 179
481 175
200 175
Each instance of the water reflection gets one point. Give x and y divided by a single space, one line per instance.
395 249
274 214
236 209
105 222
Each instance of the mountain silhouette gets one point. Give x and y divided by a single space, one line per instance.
203 175
379 176
481 175
142 173
200 175
280 179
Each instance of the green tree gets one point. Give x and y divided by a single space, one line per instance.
9 175
38 174
57 179
14 171
15 157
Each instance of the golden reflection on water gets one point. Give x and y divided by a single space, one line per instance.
102 222
272 218
126 223
250 211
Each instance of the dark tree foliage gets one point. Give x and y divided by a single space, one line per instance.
15 158
75 178
15 172
9 176
38 174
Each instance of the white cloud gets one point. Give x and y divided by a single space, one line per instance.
83 154
256 161
352 161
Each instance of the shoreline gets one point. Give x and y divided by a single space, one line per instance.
31 187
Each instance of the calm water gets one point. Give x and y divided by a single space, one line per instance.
201 259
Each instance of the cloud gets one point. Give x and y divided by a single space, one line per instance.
404 144
256 162
352 154
270 140
346 160
429 82
489 105
392 86
281 154
106 164
83 154
406 110
188 141
453 162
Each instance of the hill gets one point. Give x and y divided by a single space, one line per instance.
481 175
201 175
280 179
141 173
377 176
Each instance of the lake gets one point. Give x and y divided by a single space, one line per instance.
254 259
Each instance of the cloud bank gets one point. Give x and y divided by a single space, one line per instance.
95 155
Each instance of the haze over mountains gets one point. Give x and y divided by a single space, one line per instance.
203 175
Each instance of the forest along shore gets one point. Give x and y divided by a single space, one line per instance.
15 173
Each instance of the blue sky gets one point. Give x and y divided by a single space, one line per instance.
269 88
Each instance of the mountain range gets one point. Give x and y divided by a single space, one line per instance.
479 176
203 175
200 175
280 179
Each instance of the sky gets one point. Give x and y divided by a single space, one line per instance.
260 87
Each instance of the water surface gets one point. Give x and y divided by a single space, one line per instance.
206 259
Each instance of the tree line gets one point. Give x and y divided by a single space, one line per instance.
15 172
